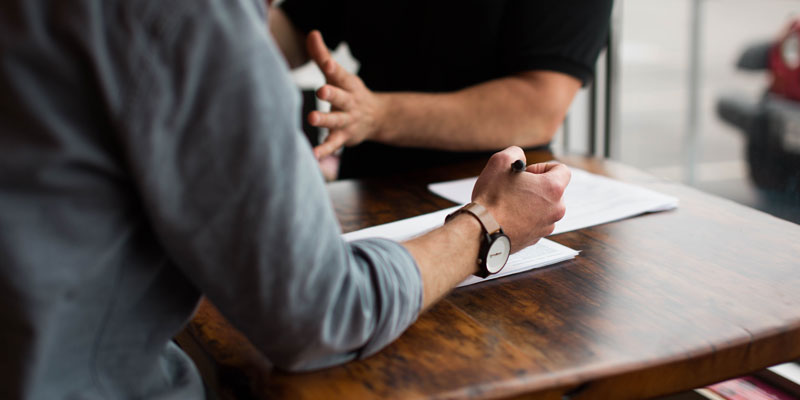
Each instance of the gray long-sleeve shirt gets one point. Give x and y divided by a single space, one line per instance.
150 152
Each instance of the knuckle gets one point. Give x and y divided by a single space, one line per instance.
348 102
550 189
515 149
555 189
340 94
560 211
502 157
515 152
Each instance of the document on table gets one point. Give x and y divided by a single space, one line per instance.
543 253
590 199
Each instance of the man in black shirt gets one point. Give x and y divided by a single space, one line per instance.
442 80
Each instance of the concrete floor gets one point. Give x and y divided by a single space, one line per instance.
654 92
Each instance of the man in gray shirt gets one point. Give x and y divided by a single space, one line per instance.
150 153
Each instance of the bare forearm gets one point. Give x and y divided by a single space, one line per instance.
516 110
524 109
290 40
446 256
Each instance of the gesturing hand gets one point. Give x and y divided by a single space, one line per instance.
526 204
355 111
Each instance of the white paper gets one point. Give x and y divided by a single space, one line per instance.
403 229
590 199
543 253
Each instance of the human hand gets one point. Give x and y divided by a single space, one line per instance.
525 204
355 111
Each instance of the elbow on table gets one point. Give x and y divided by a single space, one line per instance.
289 354
298 363
331 317
319 329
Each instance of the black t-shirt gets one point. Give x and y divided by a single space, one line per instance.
447 45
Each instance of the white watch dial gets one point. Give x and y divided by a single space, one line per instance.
498 254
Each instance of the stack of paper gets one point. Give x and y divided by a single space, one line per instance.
590 199
543 253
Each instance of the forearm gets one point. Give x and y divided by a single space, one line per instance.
523 110
290 40
446 256
369 305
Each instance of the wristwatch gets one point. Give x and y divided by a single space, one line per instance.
495 245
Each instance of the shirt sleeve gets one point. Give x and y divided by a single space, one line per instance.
210 132
563 36
324 15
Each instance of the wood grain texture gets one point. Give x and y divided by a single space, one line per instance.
652 305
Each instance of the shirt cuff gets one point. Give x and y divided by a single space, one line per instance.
398 283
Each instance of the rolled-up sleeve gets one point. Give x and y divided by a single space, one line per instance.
210 129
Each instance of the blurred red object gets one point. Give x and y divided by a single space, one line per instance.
784 63
771 122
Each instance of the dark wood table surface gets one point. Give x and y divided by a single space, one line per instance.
653 305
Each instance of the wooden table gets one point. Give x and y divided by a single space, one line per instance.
653 305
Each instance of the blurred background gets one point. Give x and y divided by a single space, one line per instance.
654 104
655 131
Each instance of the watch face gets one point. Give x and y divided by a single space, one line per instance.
498 254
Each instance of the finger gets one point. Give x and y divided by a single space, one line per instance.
540 168
559 172
316 48
554 182
336 75
331 120
333 142
503 159
515 152
337 97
